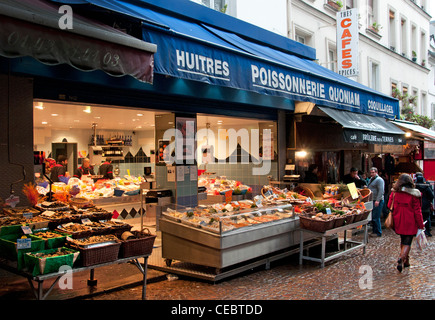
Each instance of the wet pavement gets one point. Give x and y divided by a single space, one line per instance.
353 276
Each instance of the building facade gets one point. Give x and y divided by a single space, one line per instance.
394 38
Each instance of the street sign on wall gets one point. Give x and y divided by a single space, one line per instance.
347 43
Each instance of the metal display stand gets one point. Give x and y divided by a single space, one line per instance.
328 234
40 295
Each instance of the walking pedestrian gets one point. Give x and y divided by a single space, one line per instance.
427 197
407 215
376 185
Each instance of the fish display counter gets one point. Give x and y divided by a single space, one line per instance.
224 235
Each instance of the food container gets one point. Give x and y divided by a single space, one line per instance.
321 226
52 239
97 253
37 263
9 249
118 192
138 244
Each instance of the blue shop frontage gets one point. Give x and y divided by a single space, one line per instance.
187 101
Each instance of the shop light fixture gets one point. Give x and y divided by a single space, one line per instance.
39 105
87 109
140 115
408 134
300 154
44 122
54 114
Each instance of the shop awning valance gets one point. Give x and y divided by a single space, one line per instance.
191 50
415 129
31 28
360 128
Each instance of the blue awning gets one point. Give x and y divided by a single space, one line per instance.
194 51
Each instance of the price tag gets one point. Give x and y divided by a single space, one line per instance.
26 229
86 221
309 200
28 215
259 204
328 211
24 243
353 190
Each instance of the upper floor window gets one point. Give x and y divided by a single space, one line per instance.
218 5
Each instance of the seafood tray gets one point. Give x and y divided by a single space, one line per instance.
49 261
52 206
52 239
75 230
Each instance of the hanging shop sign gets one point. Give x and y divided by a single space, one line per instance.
347 42
191 59
51 46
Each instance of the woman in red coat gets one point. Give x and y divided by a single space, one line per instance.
407 215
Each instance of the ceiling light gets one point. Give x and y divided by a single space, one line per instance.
39 105
301 154
54 114
44 122
408 134
97 117
76 120
87 109
140 115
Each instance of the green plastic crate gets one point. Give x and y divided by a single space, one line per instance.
8 248
38 265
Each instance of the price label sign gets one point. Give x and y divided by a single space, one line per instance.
228 196
26 229
28 215
328 211
24 243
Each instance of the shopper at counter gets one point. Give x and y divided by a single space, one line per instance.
311 174
59 169
376 185
353 176
84 169
106 169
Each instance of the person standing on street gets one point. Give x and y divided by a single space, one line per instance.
427 197
106 169
407 215
376 185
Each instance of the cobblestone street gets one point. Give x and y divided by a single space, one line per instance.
341 279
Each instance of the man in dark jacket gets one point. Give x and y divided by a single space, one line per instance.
106 169
353 176
84 169
311 174
59 169
426 200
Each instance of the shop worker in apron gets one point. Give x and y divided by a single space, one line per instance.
84 169
106 169
59 169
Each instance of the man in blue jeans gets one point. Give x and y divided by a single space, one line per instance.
376 185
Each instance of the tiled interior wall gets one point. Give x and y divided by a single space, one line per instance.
243 173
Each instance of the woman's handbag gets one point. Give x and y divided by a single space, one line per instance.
389 222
